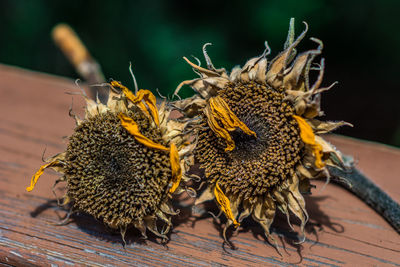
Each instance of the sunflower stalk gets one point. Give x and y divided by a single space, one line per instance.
85 65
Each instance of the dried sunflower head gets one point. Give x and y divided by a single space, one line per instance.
258 140
124 161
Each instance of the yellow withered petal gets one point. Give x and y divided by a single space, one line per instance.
37 175
219 110
217 129
175 167
128 94
145 95
131 126
308 137
150 101
225 204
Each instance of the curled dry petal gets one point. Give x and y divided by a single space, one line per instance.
131 126
37 175
308 137
175 167
145 95
218 111
225 204
322 127
278 65
191 106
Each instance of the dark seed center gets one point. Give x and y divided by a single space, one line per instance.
250 146
112 176
257 164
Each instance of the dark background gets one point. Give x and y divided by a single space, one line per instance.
361 45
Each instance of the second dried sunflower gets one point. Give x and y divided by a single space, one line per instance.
124 161
259 141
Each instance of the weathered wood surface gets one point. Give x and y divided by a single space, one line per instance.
34 115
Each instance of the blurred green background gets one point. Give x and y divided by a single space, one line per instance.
360 37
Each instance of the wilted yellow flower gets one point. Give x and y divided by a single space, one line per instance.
259 140
124 161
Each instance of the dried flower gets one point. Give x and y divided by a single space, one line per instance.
124 161
258 140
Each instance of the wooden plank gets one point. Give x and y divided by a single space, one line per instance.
34 115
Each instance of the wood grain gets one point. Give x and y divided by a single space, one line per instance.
34 115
